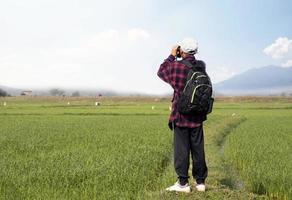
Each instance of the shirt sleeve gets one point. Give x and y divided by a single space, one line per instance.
164 71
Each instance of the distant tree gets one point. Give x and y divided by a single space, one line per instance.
62 93
57 92
3 93
54 92
283 94
75 94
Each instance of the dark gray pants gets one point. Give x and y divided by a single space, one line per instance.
186 141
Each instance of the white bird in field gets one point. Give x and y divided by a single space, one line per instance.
153 107
4 104
68 103
233 114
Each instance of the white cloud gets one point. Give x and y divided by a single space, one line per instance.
218 74
122 60
279 48
137 33
107 40
288 63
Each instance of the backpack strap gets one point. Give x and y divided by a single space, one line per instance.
194 67
187 63
190 65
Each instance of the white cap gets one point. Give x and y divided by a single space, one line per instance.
189 45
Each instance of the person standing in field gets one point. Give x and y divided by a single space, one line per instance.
187 128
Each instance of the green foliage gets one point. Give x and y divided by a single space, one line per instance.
261 150
123 149
94 157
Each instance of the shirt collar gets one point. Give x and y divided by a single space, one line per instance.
190 57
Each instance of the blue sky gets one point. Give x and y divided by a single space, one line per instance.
119 45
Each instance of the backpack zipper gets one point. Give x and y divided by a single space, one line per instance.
201 76
190 79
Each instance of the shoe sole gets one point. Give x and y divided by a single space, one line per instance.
178 191
199 190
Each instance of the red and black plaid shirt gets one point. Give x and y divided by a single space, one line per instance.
175 73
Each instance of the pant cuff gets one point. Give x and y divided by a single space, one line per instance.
200 181
183 181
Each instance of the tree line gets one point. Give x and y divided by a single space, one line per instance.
3 93
52 92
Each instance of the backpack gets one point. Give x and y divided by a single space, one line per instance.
196 97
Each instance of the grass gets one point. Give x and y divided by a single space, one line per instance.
261 150
221 184
123 149
73 157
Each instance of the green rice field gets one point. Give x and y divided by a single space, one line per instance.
69 148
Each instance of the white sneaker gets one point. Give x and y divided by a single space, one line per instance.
177 187
201 187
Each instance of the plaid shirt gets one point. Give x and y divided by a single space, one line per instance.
175 74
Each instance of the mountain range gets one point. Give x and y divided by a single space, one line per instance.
268 80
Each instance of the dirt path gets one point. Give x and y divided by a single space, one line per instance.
222 181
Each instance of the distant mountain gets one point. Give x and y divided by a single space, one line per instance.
11 91
269 80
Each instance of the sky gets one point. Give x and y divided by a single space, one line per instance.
119 45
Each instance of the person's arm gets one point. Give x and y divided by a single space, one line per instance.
164 71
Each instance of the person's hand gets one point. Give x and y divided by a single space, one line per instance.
174 50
